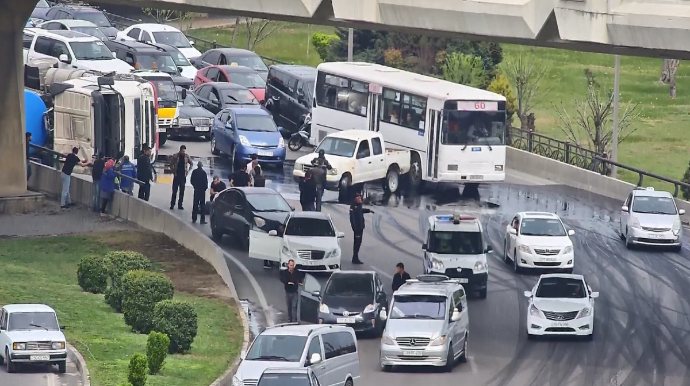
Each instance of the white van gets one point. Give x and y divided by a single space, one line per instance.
330 351
73 50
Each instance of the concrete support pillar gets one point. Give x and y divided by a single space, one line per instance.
13 17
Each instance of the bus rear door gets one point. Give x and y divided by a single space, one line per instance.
374 105
433 141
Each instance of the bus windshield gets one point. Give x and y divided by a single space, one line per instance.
482 128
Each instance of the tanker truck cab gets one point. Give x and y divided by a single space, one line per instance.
167 97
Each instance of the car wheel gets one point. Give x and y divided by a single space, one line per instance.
569 270
450 359
207 137
516 267
280 166
677 248
62 367
628 244
162 138
2 360
244 240
233 156
11 367
344 189
349 382
506 258
465 347
482 293
415 171
392 181
216 233
386 368
214 149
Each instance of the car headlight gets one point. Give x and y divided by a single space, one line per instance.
438 341
286 251
281 142
259 222
585 312
480 266
370 308
568 249
19 346
676 227
58 345
184 121
387 340
524 249
244 141
324 309
437 264
333 171
236 381
534 311
634 223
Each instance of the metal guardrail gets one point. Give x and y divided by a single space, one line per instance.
677 185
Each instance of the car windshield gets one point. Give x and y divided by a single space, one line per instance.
350 285
179 59
32 321
456 243
97 18
248 80
172 38
279 348
163 62
542 227
93 31
91 51
253 62
337 146
418 307
239 97
561 287
272 202
284 380
654 205
311 227
190 101
165 89
249 122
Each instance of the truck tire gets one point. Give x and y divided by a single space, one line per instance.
344 189
162 138
391 183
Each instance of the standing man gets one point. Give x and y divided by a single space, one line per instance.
240 178
71 160
28 158
217 186
251 168
96 175
128 169
307 192
357 222
199 182
178 164
400 276
292 279
319 170
145 173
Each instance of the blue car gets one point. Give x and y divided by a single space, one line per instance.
241 132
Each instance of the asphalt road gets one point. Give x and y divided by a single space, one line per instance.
41 376
642 315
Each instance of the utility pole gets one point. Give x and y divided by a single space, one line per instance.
616 100
350 43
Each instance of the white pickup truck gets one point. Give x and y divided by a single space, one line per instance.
356 157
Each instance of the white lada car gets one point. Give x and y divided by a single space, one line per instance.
561 304
538 240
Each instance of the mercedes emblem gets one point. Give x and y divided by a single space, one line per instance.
345 313
413 342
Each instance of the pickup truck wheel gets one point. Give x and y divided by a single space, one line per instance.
162 138
344 189
392 181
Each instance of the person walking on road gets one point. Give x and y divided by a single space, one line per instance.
307 192
71 160
127 168
292 280
96 175
357 222
240 178
319 170
145 173
199 182
400 276
217 186
178 164
107 185
258 178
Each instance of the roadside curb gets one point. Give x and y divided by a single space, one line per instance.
226 378
74 355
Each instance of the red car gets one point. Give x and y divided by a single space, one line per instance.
244 76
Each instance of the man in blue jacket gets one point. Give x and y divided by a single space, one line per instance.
128 169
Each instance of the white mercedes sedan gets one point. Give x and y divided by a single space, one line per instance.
538 240
311 240
561 304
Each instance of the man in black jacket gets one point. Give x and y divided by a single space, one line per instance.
357 222
96 174
307 192
320 168
199 182
400 276
145 173
292 280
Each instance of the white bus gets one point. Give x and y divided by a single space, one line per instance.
455 133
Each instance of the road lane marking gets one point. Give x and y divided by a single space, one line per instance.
257 288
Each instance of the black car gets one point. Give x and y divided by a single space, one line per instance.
215 96
193 121
81 12
147 56
289 94
223 56
354 298
236 211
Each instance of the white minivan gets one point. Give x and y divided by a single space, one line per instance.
330 351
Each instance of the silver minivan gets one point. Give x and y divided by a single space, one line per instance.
330 351
428 324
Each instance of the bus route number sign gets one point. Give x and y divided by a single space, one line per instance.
477 106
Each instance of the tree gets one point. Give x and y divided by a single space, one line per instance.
164 16
501 85
234 31
525 73
668 75
593 116
464 69
259 29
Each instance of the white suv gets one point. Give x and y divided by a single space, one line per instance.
30 333
651 218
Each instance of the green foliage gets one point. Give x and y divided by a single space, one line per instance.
178 320
119 263
126 384
393 58
138 370
464 69
141 290
157 346
322 43
686 178
501 85
92 274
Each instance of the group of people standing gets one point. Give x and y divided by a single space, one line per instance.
312 186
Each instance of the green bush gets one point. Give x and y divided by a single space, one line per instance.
92 274
178 320
119 263
157 347
138 370
141 290
322 43
126 384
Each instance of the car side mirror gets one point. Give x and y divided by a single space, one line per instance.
64 58
191 42
571 232
625 208
456 315
383 315
594 295
63 327
317 294
273 233
340 235
184 91
115 55
681 211
315 358
425 246
512 231
488 249
528 294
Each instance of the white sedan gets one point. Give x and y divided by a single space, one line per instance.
561 304
311 240
538 240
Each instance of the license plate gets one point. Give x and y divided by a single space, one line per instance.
309 262
413 353
548 259
202 128
464 280
655 236
161 130
346 320
266 153
39 357
559 324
